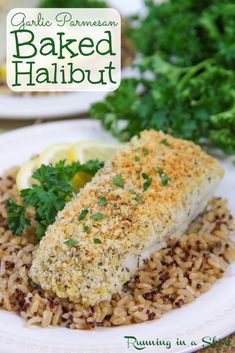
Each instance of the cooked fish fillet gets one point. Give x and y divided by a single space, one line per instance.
149 191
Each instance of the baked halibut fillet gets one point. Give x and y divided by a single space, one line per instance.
150 190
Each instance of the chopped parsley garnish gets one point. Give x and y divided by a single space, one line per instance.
85 228
165 142
132 191
97 241
98 216
138 197
137 159
145 151
160 171
83 215
147 184
145 176
71 242
102 201
118 180
48 196
100 264
164 177
32 283
165 180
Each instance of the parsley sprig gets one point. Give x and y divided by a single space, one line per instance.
47 197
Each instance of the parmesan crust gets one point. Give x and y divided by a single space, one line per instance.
166 184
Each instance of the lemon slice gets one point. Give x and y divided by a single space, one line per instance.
79 152
51 155
85 150
3 71
54 154
24 178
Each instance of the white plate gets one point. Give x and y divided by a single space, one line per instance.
64 104
210 315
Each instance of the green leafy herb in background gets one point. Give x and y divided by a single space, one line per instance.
48 197
73 3
187 85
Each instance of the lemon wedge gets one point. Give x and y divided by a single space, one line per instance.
24 178
83 151
54 154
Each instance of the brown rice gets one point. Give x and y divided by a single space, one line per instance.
171 277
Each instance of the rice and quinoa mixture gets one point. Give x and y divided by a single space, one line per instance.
171 278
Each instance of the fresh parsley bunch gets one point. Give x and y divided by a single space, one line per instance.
48 196
187 65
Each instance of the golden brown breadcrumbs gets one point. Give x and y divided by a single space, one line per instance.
130 228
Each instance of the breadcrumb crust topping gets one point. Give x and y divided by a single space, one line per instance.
142 186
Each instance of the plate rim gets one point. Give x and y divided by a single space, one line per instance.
21 133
